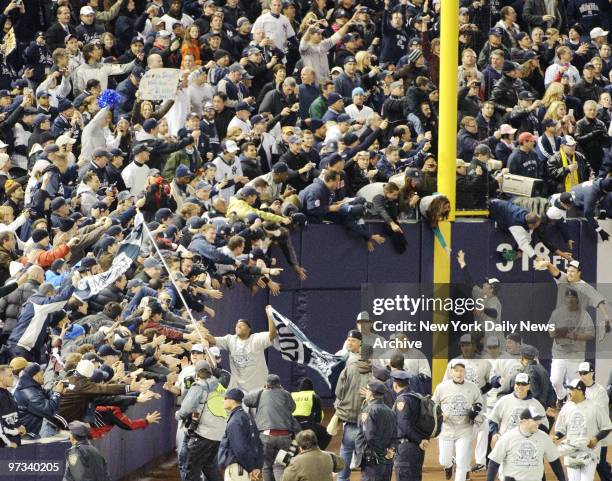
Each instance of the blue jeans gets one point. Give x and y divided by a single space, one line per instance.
346 449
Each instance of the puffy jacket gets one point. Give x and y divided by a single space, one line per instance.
109 294
10 306
348 399
34 403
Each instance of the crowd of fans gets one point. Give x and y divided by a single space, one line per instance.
286 113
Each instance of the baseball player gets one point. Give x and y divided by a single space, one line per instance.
506 413
581 425
587 294
520 452
598 394
461 402
573 328
477 371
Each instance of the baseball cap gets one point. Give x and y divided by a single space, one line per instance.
376 387
281 167
568 140
466 339
355 334
598 32
509 66
577 384
531 413
197 348
202 366
183 171
332 98
506 129
585 367
526 95
230 146
235 394
526 137
349 59
529 352
575 264
242 106
363 316
457 362
87 10
399 374
149 125
521 378
497 31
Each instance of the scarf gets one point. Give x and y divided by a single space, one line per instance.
571 179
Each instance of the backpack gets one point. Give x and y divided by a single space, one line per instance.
429 422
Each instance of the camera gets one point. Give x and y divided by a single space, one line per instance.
284 457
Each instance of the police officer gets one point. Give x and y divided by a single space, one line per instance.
521 451
374 445
83 461
598 394
412 445
203 410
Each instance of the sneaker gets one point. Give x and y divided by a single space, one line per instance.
448 472
478 467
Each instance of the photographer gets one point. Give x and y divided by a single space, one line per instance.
203 406
312 464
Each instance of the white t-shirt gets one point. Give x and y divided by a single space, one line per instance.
247 359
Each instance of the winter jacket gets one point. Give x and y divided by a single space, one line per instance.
237 445
75 399
348 398
592 137
526 164
10 305
109 294
34 403
6 257
160 149
313 464
108 417
30 332
534 10
181 157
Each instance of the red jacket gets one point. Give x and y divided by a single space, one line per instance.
109 416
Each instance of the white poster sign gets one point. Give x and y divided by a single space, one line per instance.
159 84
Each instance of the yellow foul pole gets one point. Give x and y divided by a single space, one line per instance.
447 147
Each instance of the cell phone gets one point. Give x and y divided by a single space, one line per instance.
571 112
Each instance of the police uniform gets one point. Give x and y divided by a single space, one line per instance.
377 434
409 457
83 461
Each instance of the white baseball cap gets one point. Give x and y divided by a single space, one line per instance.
214 351
457 362
87 10
197 348
585 367
64 139
231 146
85 368
598 32
522 377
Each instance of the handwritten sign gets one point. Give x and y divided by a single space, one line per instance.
159 84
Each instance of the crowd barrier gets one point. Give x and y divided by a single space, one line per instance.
324 306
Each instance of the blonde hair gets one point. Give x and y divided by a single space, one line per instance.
305 23
6 212
555 91
360 59
551 113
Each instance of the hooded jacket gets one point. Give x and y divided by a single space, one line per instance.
348 397
10 305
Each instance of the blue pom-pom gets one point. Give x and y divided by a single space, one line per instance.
109 98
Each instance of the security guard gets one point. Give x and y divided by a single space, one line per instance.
309 413
411 448
83 461
374 445
521 451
